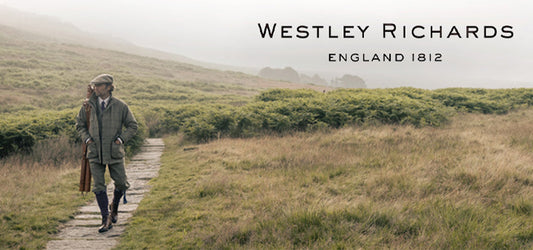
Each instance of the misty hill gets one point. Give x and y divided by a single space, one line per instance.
37 71
315 79
290 75
348 81
63 32
53 29
287 74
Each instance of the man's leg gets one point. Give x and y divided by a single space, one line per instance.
99 189
118 174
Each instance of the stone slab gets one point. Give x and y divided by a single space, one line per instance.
90 233
81 244
96 220
129 207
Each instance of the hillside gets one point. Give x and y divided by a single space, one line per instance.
63 32
37 72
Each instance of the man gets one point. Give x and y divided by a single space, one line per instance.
105 144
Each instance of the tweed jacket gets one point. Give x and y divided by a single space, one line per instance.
105 128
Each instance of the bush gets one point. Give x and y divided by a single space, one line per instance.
284 110
281 111
276 111
486 101
19 132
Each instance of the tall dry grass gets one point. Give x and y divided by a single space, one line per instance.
38 191
466 185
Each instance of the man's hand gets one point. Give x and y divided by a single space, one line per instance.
90 90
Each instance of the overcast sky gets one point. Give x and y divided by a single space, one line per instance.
227 32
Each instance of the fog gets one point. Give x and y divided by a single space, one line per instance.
226 32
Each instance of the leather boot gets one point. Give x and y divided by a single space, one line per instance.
101 199
113 207
106 224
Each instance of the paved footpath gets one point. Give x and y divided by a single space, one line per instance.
82 232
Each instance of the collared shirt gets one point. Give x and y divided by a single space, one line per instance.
100 100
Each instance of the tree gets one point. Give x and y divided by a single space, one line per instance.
349 81
287 74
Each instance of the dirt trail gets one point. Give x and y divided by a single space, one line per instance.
82 231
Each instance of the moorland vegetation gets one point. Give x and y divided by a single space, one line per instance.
274 167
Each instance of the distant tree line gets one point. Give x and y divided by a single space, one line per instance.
290 75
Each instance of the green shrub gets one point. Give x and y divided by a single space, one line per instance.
19 132
285 110
205 117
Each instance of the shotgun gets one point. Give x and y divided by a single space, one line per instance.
85 177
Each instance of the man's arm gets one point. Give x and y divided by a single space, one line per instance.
131 125
81 125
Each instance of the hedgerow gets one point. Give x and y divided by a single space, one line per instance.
275 111
487 101
284 110
20 131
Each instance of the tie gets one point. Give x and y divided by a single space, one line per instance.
103 106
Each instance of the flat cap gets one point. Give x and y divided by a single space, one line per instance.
101 79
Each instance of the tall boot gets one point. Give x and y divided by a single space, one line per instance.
117 194
101 199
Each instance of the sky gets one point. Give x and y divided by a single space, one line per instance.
227 32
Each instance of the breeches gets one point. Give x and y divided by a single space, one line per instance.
117 172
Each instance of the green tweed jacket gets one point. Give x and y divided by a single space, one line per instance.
105 128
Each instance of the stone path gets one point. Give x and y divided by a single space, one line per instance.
82 232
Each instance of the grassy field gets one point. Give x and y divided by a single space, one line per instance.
467 185
39 192
359 168
40 73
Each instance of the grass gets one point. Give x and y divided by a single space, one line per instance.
39 191
39 73
466 185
